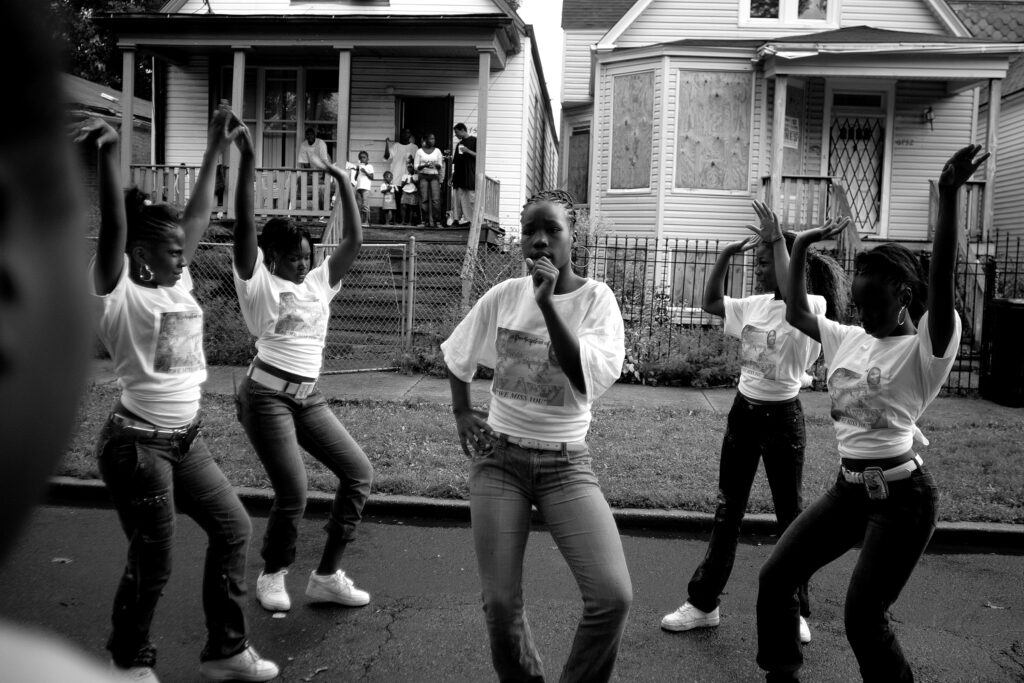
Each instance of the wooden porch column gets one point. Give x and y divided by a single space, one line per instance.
127 112
995 96
237 100
473 240
344 105
778 141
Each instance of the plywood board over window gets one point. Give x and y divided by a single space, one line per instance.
713 132
632 129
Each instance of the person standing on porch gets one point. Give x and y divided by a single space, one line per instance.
882 375
398 152
464 175
556 343
429 164
286 304
313 152
151 452
766 421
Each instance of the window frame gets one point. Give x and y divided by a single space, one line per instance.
633 71
788 16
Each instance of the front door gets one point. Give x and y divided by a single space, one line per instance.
422 115
856 154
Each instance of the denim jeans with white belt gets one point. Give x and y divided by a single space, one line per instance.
148 479
503 485
277 424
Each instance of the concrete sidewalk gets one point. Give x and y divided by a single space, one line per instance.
396 387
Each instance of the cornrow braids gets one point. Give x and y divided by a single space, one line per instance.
825 278
565 199
280 236
900 266
148 223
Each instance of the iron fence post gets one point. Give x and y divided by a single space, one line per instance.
411 285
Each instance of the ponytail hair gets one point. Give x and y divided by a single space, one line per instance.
898 265
825 278
148 223
281 236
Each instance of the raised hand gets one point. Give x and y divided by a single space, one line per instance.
740 246
96 129
241 135
961 166
475 433
830 229
769 230
545 275
219 136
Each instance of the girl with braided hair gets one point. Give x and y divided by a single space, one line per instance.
882 375
151 454
556 342
766 421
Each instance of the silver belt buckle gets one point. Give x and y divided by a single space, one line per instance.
304 390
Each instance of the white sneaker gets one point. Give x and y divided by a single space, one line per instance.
138 674
688 617
247 665
805 631
271 593
335 588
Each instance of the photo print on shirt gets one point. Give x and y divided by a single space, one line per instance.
527 369
300 318
179 343
759 352
859 398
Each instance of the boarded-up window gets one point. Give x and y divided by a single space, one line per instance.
713 132
632 128
579 165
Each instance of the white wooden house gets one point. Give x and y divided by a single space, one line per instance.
357 71
677 114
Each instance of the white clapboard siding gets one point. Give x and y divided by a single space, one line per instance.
576 64
919 152
631 211
187 118
668 20
533 150
704 215
373 112
392 8
1008 219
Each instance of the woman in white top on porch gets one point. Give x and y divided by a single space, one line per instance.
881 377
286 304
429 164
151 454
767 419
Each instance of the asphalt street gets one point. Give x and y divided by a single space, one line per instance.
961 618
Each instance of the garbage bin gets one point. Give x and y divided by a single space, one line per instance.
1003 378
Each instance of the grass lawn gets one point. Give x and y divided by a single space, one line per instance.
662 458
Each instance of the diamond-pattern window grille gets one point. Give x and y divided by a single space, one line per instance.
856 158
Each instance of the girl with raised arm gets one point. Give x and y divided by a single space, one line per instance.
151 453
881 377
286 303
767 420
555 341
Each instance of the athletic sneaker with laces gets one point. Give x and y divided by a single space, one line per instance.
247 665
688 617
335 588
805 631
271 593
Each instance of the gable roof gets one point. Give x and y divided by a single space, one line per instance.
593 14
997 20
870 34
95 99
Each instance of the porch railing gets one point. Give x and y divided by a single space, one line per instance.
174 184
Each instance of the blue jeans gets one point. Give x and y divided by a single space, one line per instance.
277 425
893 534
774 433
430 199
147 479
564 488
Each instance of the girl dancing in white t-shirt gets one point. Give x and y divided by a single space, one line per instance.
286 304
766 421
881 377
151 454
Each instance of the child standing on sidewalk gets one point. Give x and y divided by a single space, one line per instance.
555 341
388 192
766 421
881 378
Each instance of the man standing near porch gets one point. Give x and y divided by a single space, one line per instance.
464 175
398 152
313 152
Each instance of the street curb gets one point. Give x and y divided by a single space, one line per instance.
978 536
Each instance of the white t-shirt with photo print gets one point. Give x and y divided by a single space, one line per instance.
530 394
773 353
880 387
289 320
155 338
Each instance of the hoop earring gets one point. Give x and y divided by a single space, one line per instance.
901 317
273 267
145 273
